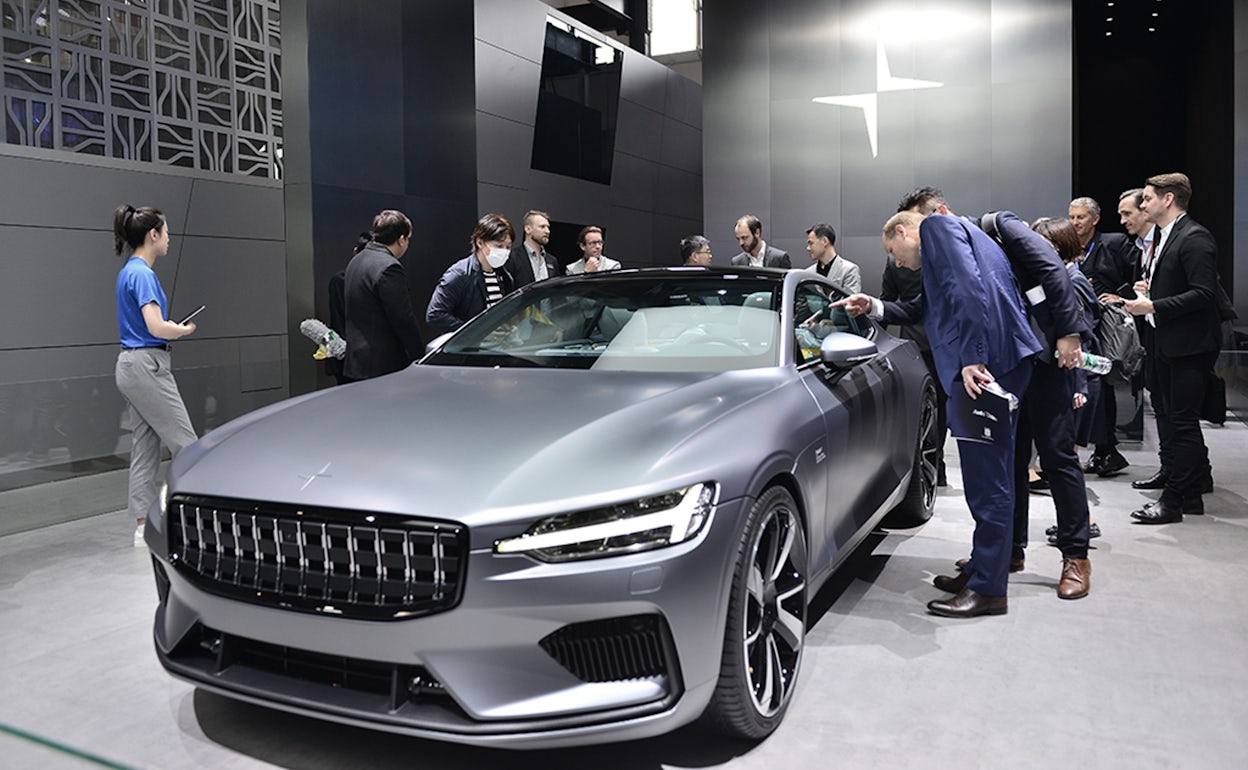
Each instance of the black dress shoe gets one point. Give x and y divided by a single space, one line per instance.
1189 507
1156 481
952 585
1161 513
968 604
1093 465
1111 465
1017 564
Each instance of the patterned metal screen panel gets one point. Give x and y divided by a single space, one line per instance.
192 83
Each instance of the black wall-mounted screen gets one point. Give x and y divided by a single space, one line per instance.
577 107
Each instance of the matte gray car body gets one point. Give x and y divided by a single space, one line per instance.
490 450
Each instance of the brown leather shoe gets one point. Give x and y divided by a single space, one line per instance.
952 584
1016 565
1076 579
968 604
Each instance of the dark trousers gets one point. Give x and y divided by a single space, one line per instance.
1048 421
1179 389
990 492
1105 419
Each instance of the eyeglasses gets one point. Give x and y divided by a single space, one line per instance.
707 253
593 243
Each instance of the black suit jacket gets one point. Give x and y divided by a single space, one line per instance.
520 268
1184 291
382 333
772 257
1110 262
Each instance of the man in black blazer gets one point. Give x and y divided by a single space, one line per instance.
529 259
382 333
1178 299
754 251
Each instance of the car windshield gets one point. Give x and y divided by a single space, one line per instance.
646 321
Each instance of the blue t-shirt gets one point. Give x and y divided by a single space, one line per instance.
137 285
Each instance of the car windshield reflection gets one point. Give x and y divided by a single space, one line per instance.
659 322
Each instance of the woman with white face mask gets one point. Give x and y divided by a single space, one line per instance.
477 281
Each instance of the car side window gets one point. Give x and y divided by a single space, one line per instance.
814 318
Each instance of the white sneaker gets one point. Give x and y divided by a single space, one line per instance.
139 542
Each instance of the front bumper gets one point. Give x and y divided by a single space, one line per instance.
533 656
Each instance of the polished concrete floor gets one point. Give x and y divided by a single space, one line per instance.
1149 671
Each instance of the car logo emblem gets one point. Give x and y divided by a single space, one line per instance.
321 474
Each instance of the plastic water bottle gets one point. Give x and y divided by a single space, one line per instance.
1093 363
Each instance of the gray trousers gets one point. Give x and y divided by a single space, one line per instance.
157 416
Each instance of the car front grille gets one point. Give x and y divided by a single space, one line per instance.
329 561
612 650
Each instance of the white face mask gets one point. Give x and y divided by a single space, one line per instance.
496 257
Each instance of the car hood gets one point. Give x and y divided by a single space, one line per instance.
464 442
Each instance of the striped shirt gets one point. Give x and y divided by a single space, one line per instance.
493 289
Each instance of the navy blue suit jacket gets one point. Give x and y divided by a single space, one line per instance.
970 304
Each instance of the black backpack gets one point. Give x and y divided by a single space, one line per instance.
1119 341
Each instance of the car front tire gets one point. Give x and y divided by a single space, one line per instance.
766 627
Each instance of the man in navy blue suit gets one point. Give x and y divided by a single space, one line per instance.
979 333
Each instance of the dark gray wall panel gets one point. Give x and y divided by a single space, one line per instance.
633 182
260 362
630 239
241 281
49 189
866 251
639 131
512 25
507 84
668 232
644 82
355 64
682 146
503 151
58 288
683 100
679 194
239 209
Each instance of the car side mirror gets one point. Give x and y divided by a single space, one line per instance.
841 351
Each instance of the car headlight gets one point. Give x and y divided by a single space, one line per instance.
164 499
638 525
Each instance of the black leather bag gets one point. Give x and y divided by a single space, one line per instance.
1119 342
1213 409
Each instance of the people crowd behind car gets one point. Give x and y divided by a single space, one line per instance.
382 333
592 241
144 369
477 281
754 250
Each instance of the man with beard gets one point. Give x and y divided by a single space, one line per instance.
754 251
529 259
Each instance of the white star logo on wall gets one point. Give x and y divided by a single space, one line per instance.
869 103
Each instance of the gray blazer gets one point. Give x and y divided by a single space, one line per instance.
843 273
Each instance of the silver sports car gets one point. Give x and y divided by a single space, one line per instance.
595 513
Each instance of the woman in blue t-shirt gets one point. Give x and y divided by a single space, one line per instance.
144 374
